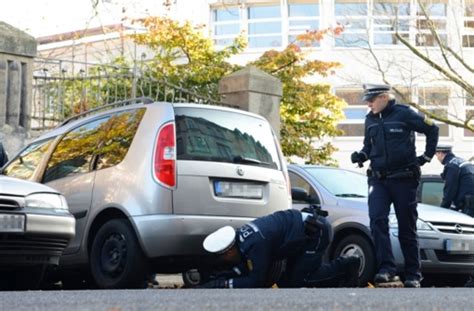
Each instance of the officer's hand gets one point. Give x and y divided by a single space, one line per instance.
217 283
357 157
311 226
421 160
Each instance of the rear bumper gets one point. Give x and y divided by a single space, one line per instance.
175 235
43 241
433 254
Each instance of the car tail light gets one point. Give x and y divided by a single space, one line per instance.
165 156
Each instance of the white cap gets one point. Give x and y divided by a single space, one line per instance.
220 241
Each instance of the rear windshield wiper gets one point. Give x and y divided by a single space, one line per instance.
350 195
244 160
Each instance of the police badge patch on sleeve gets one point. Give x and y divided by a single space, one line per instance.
428 121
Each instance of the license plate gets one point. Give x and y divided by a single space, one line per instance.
12 223
458 246
243 190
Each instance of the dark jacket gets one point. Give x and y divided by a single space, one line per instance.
3 156
389 140
458 175
266 239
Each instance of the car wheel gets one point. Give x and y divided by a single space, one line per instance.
117 260
194 277
356 245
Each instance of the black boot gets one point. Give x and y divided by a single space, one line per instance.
388 280
412 284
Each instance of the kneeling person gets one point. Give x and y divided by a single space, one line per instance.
299 238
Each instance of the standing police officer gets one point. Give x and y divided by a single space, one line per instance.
300 238
393 177
458 176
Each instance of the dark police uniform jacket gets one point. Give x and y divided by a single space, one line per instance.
458 175
266 239
3 156
389 140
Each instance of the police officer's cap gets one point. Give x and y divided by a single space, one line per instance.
374 90
220 241
444 148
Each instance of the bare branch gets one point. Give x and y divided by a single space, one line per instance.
459 58
435 34
466 86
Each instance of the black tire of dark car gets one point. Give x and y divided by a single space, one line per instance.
358 245
117 260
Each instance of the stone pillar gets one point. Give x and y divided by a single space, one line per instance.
255 91
17 52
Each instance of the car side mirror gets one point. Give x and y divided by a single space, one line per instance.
300 194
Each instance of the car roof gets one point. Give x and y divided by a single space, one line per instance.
75 122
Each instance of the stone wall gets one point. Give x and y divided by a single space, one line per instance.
17 51
254 90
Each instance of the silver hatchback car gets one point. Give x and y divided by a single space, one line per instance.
446 237
148 181
35 227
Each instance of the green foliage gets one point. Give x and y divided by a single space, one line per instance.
185 57
309 112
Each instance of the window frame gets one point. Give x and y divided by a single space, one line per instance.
468 18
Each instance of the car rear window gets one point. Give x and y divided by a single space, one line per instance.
224 136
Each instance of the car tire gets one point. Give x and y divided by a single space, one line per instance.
194 277
116 259
359 246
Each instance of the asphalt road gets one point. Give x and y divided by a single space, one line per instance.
239 299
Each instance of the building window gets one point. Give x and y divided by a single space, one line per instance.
355 112
264 26
437 11
436 100
468 33
390 17
226 25
352 15
303 16
469 115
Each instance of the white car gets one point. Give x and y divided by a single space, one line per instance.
35 228
446 237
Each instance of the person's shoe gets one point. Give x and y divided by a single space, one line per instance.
385 279
470 282
412 284
352 266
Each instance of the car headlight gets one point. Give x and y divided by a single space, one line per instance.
46 200
420 224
